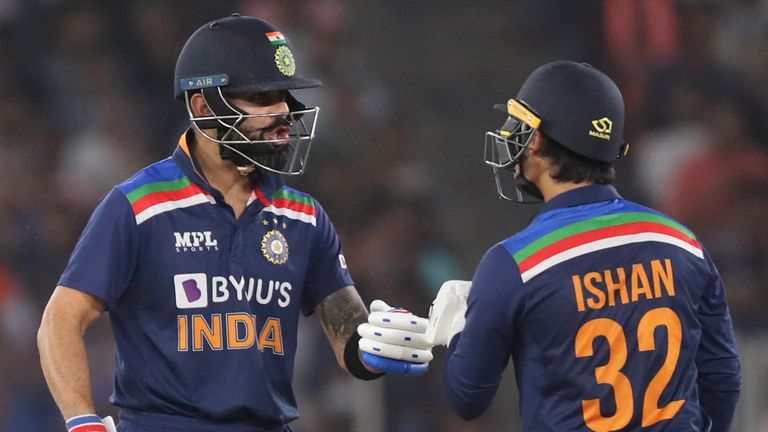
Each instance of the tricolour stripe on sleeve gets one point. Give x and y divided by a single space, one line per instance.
154 198
293 206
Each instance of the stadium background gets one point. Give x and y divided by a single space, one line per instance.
86 99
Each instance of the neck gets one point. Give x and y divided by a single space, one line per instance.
539 172
559 188
551 188
221 174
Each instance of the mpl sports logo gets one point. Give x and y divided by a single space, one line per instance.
195 241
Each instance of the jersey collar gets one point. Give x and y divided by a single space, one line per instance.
580 196
264 183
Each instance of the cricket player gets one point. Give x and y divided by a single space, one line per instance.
205 259
613 314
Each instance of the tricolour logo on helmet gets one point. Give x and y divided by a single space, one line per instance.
602 128
275 38
284 61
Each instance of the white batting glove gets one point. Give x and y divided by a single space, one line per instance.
394 340
109 424
447 313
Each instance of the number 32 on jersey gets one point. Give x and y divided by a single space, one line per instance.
611 374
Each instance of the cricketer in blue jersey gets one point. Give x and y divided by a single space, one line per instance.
613 314
206 259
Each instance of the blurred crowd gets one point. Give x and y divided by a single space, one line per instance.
86 100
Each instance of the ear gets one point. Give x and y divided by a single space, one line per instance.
534 148
198 106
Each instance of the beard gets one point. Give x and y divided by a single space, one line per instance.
268 155
524 184
273 156
529 188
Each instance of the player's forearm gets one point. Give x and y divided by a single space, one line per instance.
719 407
340 313
718 394
65 366
467 397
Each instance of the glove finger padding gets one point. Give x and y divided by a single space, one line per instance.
395 366
393 340
380 306
393 336
396 352
399 319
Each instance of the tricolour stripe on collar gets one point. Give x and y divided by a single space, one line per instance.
600 233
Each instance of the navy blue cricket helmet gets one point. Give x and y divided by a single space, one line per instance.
573 103
242 55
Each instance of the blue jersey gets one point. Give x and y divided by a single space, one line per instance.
615 319
204 307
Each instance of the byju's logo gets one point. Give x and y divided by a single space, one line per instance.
195 241
191 290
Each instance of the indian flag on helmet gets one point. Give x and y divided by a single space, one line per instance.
276 38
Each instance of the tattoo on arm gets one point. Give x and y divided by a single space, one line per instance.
341 312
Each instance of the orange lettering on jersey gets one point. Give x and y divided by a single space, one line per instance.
212 334
181 324
577 290
609 288
241 330
663 276
271 336
640 284
612 287
589 281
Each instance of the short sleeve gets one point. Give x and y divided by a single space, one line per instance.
327 271
103 260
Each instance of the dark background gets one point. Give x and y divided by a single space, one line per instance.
86 100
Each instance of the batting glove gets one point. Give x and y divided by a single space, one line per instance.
91 423
393 340
447 313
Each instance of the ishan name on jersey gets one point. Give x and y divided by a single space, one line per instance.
640 281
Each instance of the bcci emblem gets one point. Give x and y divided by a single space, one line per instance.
274 246
284 61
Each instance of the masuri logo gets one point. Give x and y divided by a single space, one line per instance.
602 128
